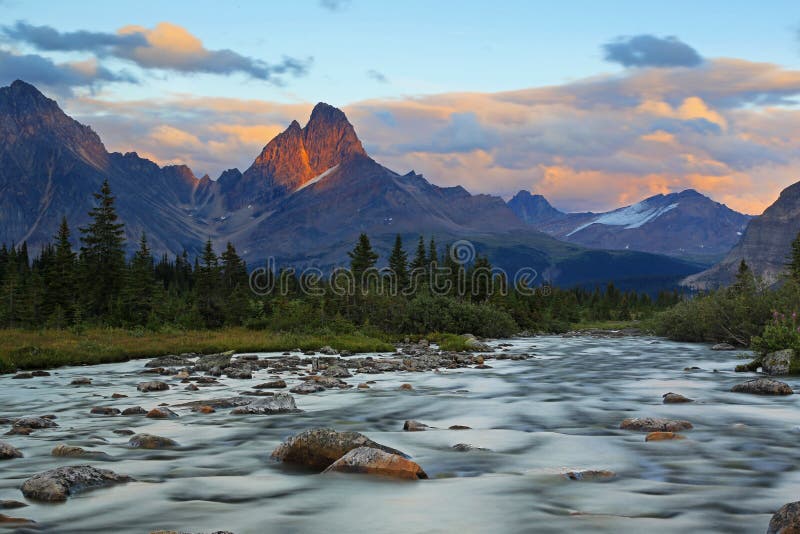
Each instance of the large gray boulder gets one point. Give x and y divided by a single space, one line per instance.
58 484
786 520
279 403
778 363
654 424
763 386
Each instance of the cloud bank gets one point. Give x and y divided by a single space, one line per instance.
651 51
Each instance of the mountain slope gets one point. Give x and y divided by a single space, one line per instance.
685 225
50 165
765 245
303 201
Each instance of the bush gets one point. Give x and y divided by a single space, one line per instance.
782 333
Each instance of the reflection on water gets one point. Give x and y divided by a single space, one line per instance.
540 417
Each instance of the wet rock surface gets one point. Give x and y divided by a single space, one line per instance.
8 451
149 441
763 386
371 461
786 520
655 424
60 483
277 404
675 398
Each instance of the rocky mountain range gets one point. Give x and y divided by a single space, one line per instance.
303 201
685 225
765 245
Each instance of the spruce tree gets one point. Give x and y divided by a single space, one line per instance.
235 287
141 284
398 264
362 258
102 256
419 267
61 279
208 288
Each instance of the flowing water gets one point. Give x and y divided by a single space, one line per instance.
540 417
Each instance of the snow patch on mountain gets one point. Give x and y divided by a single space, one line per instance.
316 179
633 216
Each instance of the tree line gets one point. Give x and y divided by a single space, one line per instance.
98 285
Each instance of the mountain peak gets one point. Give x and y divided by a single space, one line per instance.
533 208
329 138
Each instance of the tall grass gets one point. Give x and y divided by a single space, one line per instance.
41 349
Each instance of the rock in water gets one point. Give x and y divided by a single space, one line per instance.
590 475
654 424
149 441
68 451
369 461
134 410
318 448
34 422
663 436
162 412
155 385
723 346
280 403
277 384
337 371
414 426
81 381
778 363
786 520
6 520
210 361
104 410
7 451
171 360
58 484
763 386
307 387
675 398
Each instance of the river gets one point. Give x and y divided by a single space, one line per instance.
539 417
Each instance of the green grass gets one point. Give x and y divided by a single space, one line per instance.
449 342
42 349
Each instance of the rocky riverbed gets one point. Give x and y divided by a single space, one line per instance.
545 434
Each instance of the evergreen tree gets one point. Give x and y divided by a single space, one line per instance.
141 284
362 258
61 279
398 264
745 282
235 286
102 256
208 288
419 267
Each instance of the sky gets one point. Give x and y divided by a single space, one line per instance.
593 104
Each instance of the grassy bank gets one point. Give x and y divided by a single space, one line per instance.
41 349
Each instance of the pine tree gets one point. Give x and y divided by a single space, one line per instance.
141 284
419 267
745 282
235 287
61 279
102 256
362 258
398 264
208 288
794 260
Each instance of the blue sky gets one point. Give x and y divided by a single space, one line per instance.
594 104
428 47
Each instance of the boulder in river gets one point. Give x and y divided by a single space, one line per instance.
237 373
170 360
22 376
406 387
370 461
275 384
307 387
318 448
590 475
466 447
211 361
81 381
654 424
786 520
336 371
414 426
763 386
57 484
779 363
8 505
8 521
675 398
155 385
149 441
723 346
134 410
69 451
280 403
34 422
204 409
8 451
663 436
162 412
327 350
